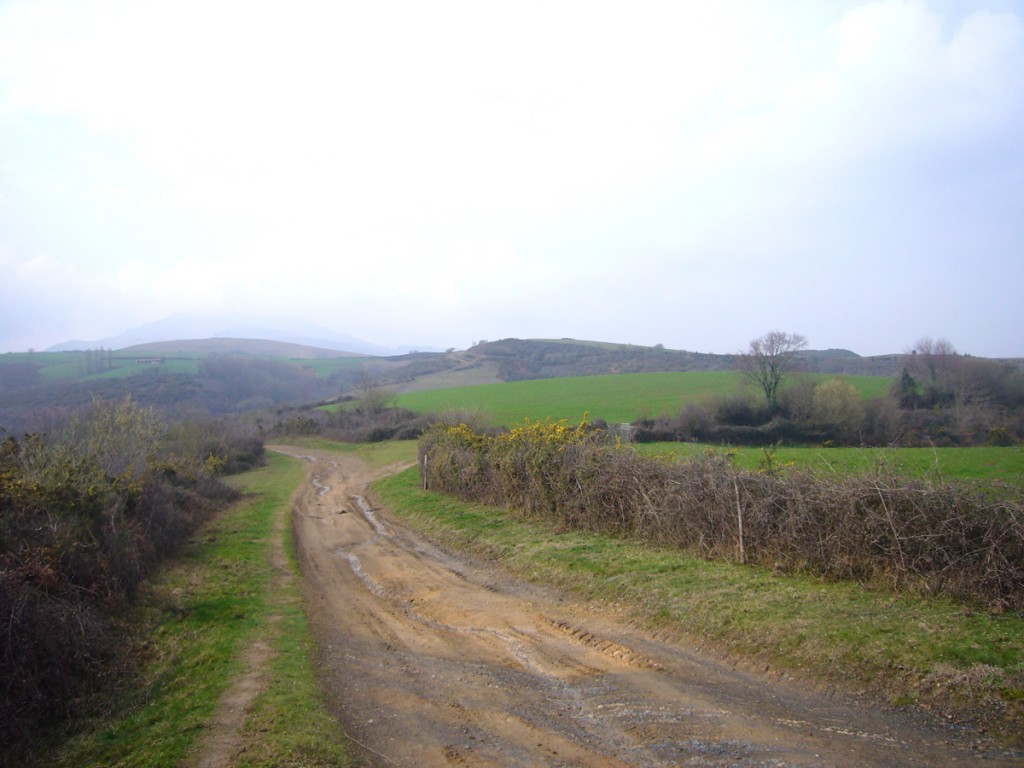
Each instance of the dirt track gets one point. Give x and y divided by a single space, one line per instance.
435 661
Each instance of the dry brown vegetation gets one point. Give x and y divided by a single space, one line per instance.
886 529
86 513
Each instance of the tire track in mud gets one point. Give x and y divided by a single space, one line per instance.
435 660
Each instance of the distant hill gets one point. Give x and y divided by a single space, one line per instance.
233 375
250 347
209 326
527 359
521 359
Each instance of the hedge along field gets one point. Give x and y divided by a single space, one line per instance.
983 463
910 650
886 530
616 398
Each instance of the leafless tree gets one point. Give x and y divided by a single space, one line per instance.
768 360
931 360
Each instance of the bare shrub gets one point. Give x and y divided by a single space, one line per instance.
740 411
696 421
958 539
86 515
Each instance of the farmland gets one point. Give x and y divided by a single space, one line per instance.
49 367
217 376
623 398
225 376
983 463
616 398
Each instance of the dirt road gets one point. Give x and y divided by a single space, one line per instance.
432 660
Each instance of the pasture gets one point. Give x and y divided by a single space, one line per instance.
74 366
973 463
616 398
621 398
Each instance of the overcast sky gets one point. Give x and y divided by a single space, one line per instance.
434 173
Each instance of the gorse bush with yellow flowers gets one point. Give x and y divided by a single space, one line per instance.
892 531
518 467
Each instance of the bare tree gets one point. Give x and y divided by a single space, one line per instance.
768 360
367 382
951 379
931 360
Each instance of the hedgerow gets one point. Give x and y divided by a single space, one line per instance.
885 529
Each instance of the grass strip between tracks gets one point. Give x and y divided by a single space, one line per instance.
193 621
923 651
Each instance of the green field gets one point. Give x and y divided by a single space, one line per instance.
616 398
124 367
981 463
326 366
71 366
625 397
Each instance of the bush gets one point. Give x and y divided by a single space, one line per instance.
999 436
84 516
740 411
364 425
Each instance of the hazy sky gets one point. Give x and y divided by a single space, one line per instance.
686 173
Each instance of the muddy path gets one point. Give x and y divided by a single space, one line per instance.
433 660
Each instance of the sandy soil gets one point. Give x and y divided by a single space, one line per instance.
434 660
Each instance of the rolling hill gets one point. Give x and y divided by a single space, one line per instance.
197 348
230 375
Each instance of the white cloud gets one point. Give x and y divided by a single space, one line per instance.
418 156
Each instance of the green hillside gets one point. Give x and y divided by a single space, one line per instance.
231 346
616 398
20 370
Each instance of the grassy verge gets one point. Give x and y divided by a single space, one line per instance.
289 724
192 622
929 652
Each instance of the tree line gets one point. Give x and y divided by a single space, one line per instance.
941 398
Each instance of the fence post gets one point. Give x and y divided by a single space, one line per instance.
739 521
